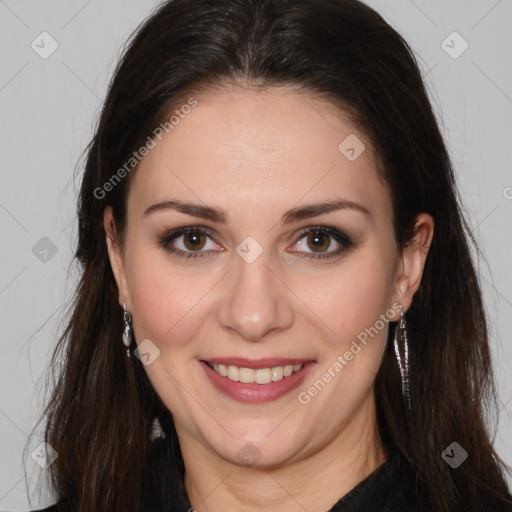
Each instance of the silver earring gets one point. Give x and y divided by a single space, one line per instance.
402 355
127 333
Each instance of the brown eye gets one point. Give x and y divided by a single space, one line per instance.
319 241
314 243
194 240
190 242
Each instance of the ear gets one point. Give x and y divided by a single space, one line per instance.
116 257
412 261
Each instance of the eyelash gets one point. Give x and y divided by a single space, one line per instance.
340 237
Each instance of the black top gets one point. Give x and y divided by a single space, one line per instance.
384 490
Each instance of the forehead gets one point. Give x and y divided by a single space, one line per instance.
258 148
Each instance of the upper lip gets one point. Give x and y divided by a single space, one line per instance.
266 362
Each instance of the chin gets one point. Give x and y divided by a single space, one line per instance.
246 451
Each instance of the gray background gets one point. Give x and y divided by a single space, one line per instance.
48 107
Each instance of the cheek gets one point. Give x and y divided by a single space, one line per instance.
354 296
164 300
167 310
356 305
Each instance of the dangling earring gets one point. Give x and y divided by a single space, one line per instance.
127 333
402 355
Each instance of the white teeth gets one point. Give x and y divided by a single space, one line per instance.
233 373
288 370
277 373
263 376
258 376
246 375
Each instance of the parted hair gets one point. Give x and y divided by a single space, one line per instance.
100 414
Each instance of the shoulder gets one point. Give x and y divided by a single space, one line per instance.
383 490
52 508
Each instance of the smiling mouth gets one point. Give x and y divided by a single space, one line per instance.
256 375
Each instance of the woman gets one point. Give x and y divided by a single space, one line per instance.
276 276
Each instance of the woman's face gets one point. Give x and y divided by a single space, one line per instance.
264 280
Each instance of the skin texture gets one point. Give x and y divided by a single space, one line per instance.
257 154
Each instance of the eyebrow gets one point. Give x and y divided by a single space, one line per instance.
219 215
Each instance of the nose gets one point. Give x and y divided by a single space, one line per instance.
256 300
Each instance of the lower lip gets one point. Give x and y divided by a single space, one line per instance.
257 393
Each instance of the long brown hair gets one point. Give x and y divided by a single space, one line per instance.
100 415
